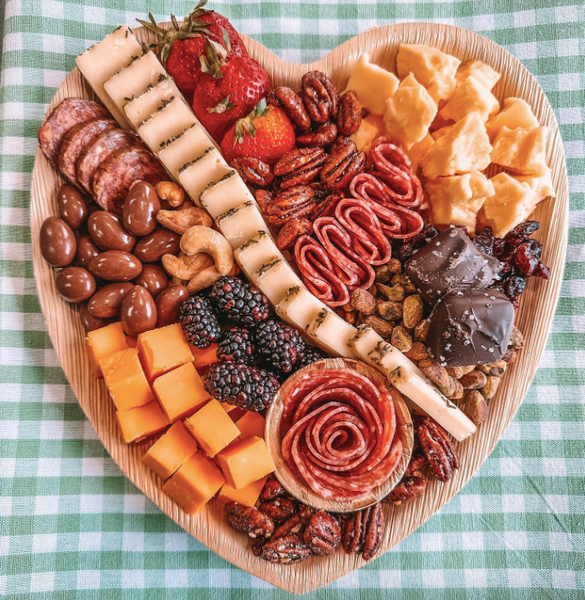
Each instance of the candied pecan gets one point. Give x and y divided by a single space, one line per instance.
253 170
295 203
288 549
322 534
363 531
249 520
257 546
409 487
300 166
279 509
272 489
306 512
417 462
264 199
293 525
293 106
438 448
342 165
292 231
319 95
324 135
349 116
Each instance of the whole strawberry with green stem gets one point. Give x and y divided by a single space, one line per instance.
182 45
266 134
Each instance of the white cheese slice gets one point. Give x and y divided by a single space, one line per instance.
225 194
104 59
171 118
433 403
299 308
194 176
332 333
275 278
133 80
143 106
184 148
241 224
256 252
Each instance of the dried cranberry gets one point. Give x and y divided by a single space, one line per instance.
522 232
534 247
525 261
542 271
514 286
484 240
406 251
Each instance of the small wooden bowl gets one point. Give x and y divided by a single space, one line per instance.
297 487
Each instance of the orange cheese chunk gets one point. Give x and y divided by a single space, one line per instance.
180 392
103 342
246 496
245 461
125 379
204 358
212 427
522 151
170 451
195 483
141 422
162 350
252 423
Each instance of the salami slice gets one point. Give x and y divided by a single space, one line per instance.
117 173
68 114
75 142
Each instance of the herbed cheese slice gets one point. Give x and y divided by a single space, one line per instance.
104 59
256 252
241 224
145 105
275 278
133 80
171 118
299 308
224 194
184 148
197 174
332 333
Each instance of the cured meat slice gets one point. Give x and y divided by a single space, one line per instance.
76 141
117 173
98 151
71 112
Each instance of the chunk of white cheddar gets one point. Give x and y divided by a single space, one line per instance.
370 128
102 60
143 106
522 151
464 147
487 76
299 308
135 79
241 224
196 175
409 113
431 67
515 113
470 96
332 333
417 152
275 278
225 194
184 148
372 84
256 252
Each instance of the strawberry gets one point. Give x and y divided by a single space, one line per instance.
181 46
266 134
227 91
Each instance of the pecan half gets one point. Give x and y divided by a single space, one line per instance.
322 534
362 532
408 489
288 549
322 136
299 166
272 489
342 165
279 509
293 525
294 203
349 116
293 106
292 231
264 198
438 448
319 95
257 546
253 170
249 520
306 512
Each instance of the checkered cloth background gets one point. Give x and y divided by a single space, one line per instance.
71 524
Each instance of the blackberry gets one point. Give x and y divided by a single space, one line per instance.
312 355
241 385
239 300
236 345
281 345
199 323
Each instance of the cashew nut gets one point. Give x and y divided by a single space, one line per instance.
180 220
186 267
203 279
199 239
171 192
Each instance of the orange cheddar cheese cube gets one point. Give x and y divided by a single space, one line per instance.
125 379
245 461
141 422
206 357
246 496
195 483
212 427
170 451
162 350
251 424
180 392
103 342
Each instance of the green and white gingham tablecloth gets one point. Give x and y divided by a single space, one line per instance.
71 524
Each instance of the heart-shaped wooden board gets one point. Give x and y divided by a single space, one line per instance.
534 316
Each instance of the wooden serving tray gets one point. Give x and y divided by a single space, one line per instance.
534 316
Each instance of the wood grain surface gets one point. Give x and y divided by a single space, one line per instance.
534 316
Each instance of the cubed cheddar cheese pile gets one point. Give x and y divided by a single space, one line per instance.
445 117
210 447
